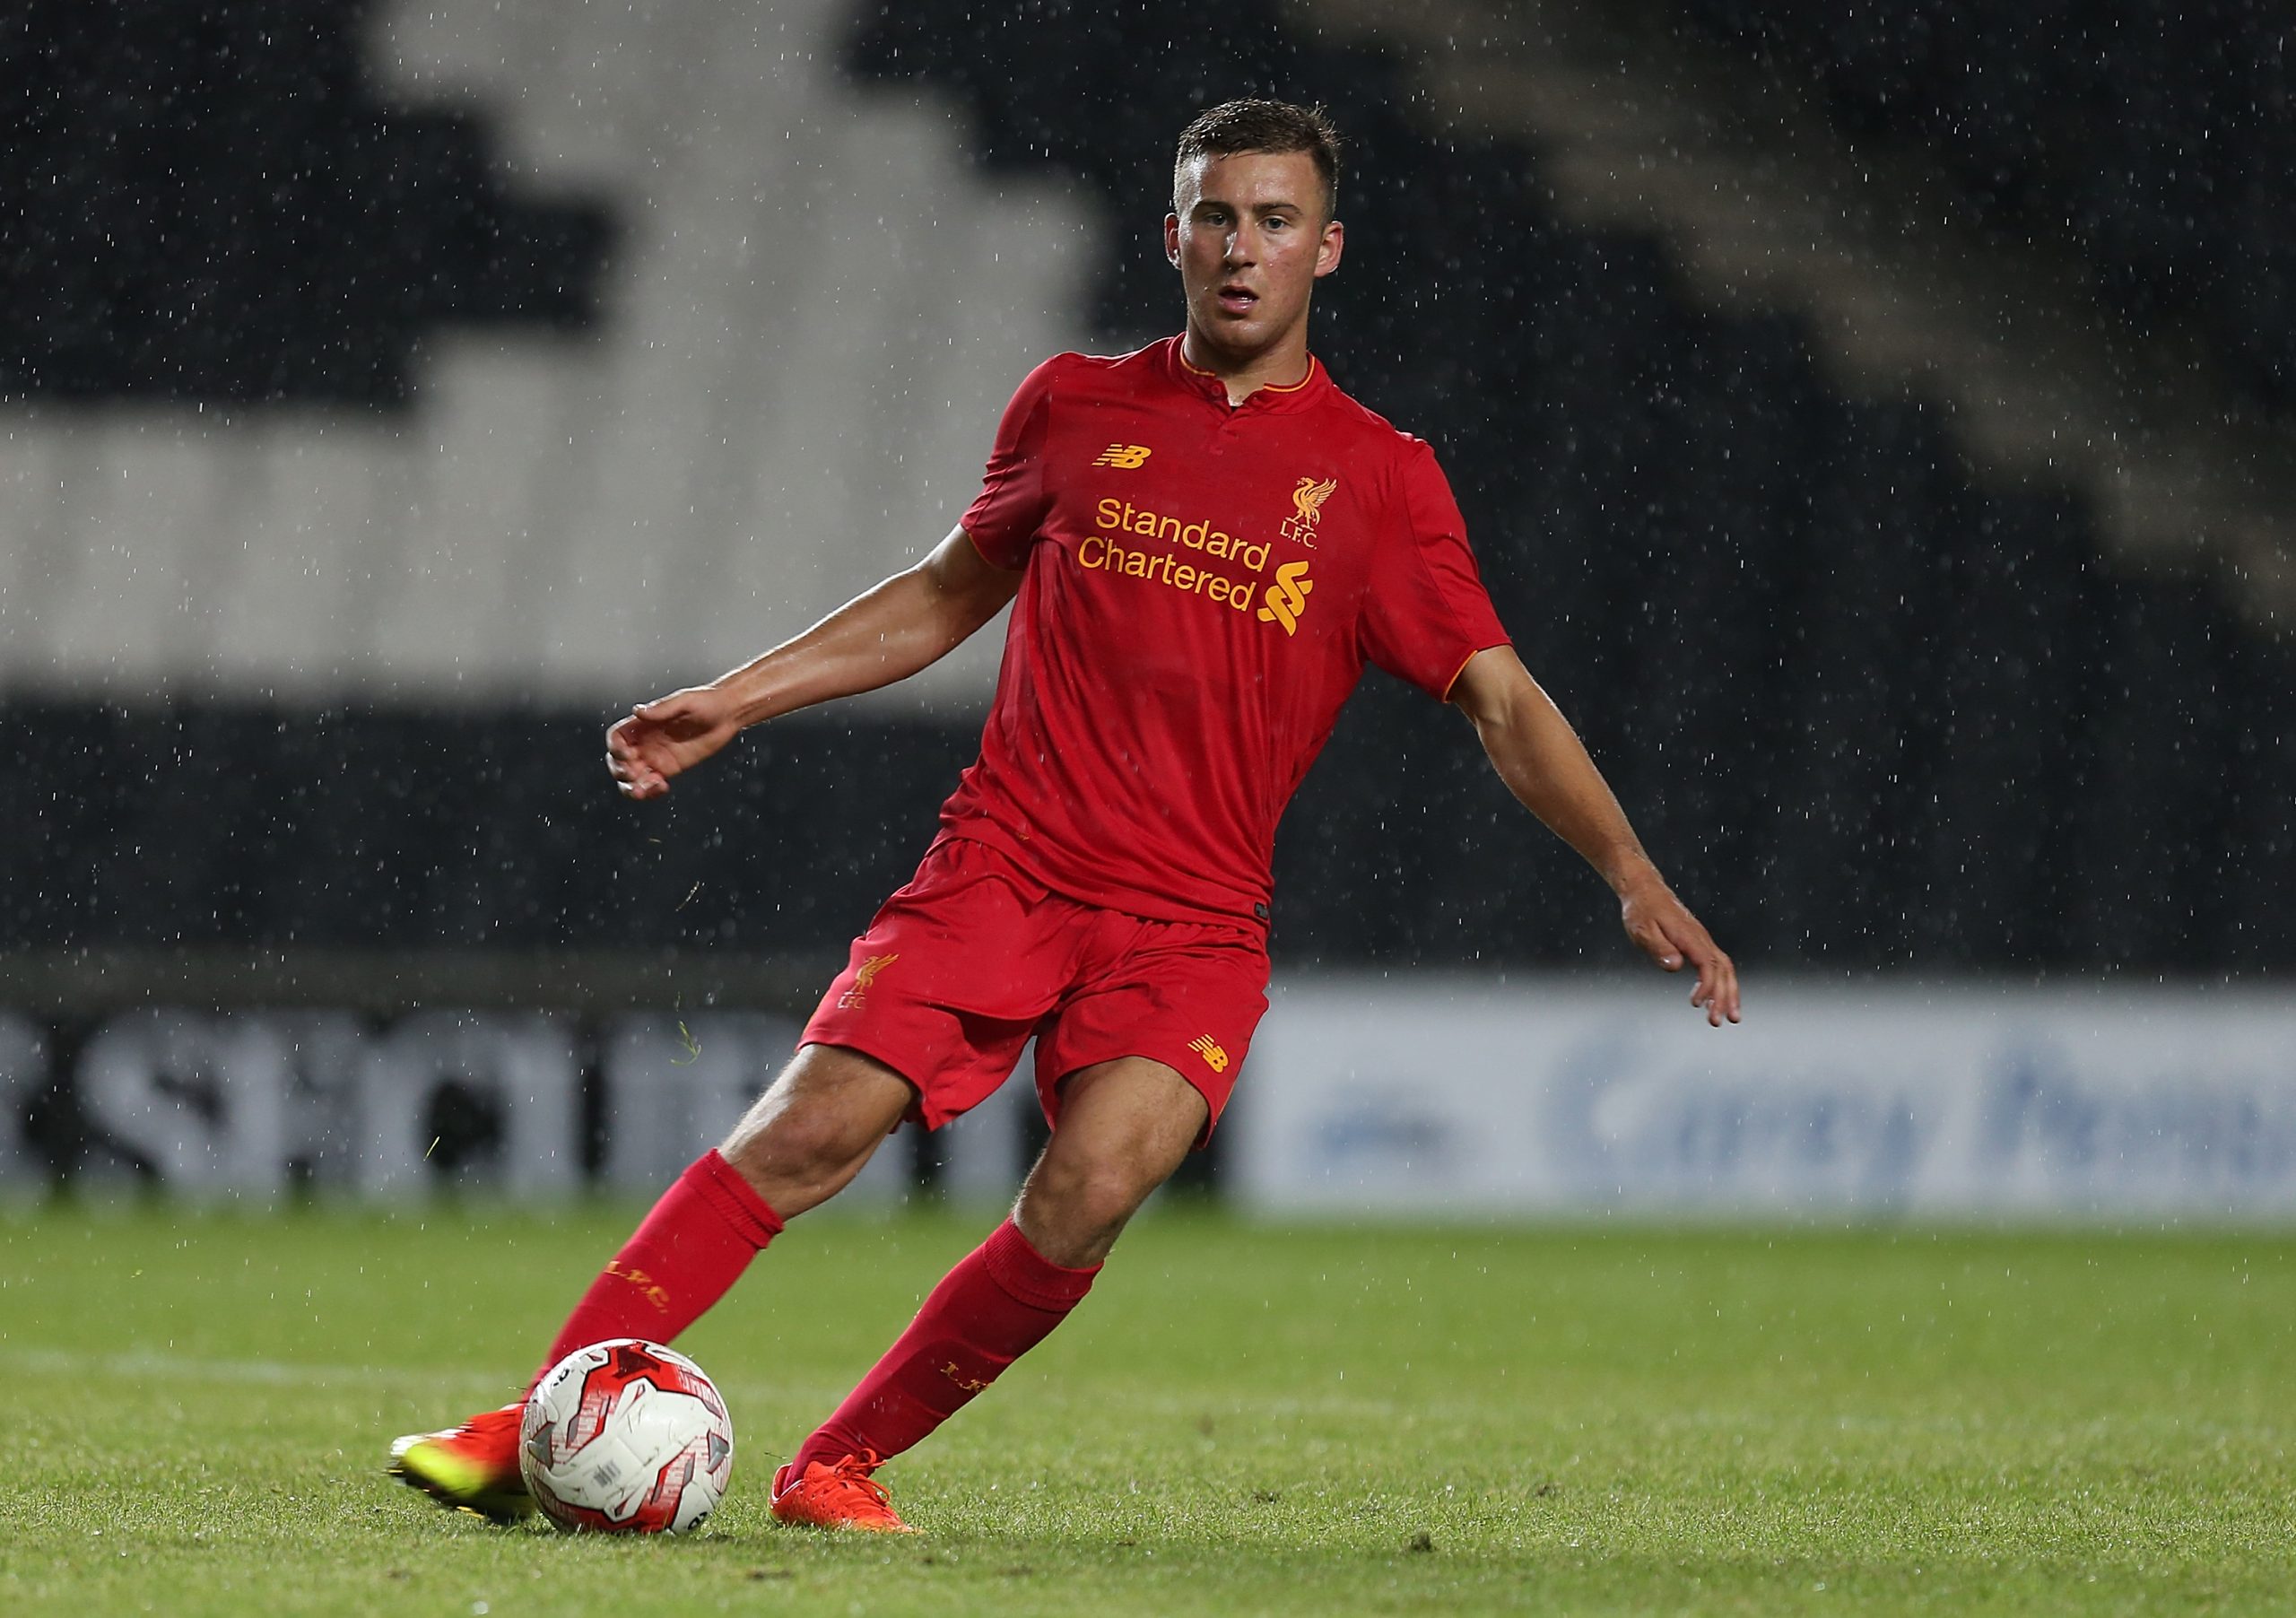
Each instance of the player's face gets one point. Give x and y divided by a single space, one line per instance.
1250 240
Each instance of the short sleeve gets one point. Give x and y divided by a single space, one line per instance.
1005 516
1426 612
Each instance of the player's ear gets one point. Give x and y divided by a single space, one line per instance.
1328 249
1172 239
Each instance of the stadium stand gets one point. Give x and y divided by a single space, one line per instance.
1644 126
211 204
1808 643
636 467
2155 135
1876 711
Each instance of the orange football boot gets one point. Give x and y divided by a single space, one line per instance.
473 1467
838 1496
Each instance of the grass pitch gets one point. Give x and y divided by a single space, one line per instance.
193 1410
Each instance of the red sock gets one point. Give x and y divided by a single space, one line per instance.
1000 1302
680 1260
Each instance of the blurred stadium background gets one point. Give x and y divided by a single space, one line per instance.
1876 429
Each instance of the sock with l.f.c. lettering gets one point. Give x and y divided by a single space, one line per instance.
1001 1300
682 1258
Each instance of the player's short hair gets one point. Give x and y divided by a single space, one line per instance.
1253 125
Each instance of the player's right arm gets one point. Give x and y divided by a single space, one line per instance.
913 619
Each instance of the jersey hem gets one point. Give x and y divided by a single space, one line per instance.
1125 900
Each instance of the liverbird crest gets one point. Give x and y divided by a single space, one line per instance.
1309 497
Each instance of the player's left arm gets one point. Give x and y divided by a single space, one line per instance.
1545 765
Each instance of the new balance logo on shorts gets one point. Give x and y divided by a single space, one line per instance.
1127 457
1206 1047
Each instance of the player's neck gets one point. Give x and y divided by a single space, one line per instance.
1284 363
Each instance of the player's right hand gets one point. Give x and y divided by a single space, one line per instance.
662 737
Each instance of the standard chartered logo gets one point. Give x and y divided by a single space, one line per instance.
1116 547
1287 597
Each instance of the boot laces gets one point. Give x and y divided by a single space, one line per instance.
850 1473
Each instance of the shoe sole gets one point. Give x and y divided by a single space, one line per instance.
845 1527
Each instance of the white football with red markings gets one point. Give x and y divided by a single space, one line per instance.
626 1437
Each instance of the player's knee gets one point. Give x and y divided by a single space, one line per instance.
815 1127
812 1143
801 1153
1080 1207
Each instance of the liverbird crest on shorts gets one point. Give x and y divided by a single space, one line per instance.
1307 503
864 975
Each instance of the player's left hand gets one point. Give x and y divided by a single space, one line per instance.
1674 937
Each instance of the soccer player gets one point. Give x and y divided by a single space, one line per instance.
1204 542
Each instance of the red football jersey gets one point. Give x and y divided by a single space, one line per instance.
1203 585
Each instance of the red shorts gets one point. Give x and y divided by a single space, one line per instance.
975 955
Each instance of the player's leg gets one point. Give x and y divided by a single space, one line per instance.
1123 1127
1126 1127
802 1142
945 987
1133 1070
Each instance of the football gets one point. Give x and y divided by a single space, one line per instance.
625 1437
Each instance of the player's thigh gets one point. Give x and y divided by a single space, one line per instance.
951 977
817 1126
1187 996
1125 1126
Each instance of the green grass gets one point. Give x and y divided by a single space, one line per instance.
194 1411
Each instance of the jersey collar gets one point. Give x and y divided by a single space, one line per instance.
1298 395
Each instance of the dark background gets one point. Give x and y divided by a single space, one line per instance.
1869 709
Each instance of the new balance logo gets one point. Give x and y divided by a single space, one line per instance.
1128 457
1206 1047
1287 597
